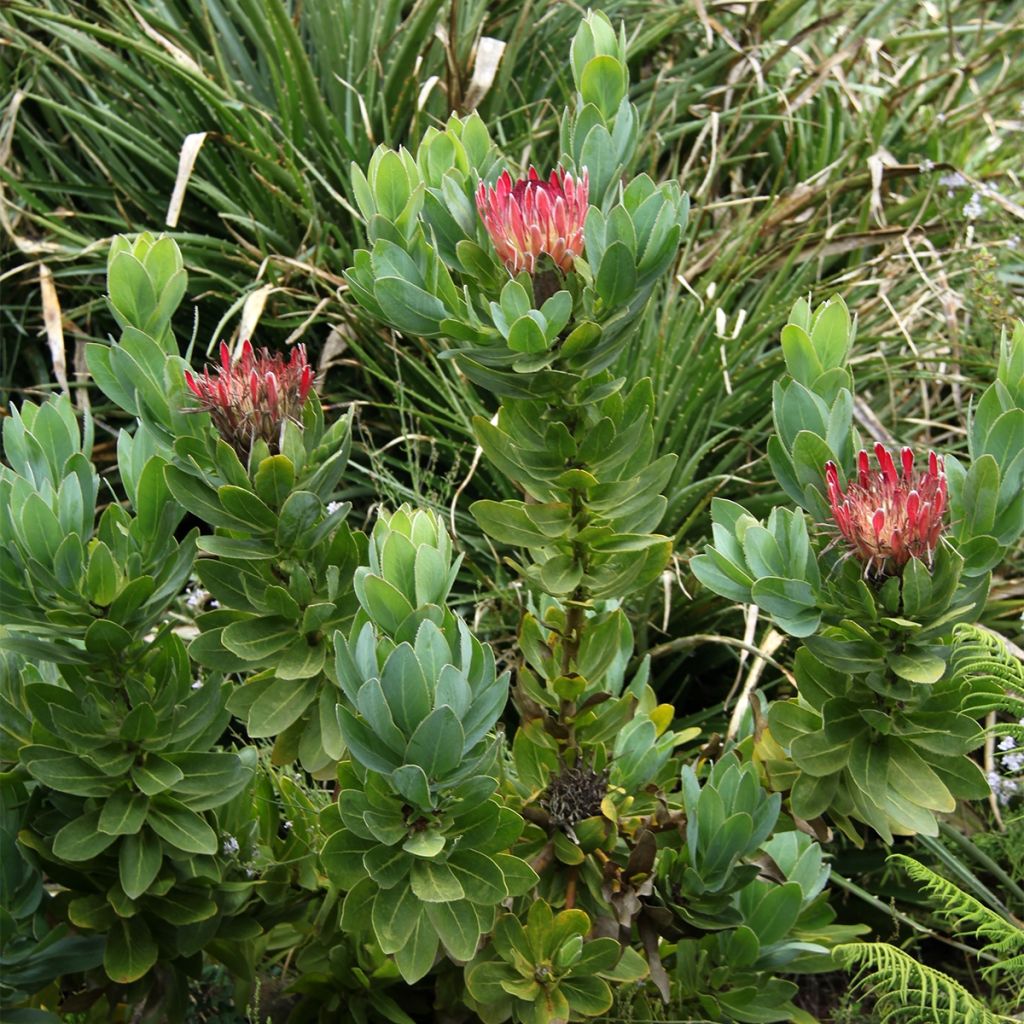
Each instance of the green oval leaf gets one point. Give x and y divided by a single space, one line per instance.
603 83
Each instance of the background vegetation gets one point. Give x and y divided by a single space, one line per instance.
869 148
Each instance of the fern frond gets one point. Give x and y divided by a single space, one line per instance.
1015 968
908 992
981 653
993 677
966 914
1001 938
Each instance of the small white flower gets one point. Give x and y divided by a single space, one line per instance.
1013 762
1007 743
1004 789
230 846
250 872
286 825
973 209
197 684
332 507
951 182
926 165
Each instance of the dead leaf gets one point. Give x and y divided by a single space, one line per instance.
186 161
176 52
252 310
335 346
659 976
485 67
54 324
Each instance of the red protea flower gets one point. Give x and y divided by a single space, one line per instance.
531 217
253 396
887 515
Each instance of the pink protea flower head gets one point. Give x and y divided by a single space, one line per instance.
532 217
252 397
889 515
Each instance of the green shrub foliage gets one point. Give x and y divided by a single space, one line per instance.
115 738
883 723
237 728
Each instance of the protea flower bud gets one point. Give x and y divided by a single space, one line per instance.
889 515
252 397
531 217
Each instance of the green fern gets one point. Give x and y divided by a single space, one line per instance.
992 676
908 992
1001 939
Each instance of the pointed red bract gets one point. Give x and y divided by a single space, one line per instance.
889 515
531 217
252 397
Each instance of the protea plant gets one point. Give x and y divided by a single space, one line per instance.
253 396
416 837
534 217
889 515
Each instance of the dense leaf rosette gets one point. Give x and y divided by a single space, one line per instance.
416 837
